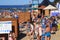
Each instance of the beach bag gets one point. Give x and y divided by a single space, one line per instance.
58 26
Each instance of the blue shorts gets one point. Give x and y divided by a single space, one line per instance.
48 34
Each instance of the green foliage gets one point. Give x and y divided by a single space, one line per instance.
56 1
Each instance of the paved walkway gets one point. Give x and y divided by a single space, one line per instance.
56 36
53 36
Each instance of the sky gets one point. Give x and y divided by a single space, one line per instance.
17 2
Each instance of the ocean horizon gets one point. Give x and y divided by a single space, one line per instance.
15 6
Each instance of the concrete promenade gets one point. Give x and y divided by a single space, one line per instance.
53 36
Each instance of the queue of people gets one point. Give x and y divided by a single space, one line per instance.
41 27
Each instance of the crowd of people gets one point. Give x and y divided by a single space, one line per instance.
41 27
7 14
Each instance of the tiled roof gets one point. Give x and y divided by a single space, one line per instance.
42 6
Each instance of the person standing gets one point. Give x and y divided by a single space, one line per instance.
47 32
40 31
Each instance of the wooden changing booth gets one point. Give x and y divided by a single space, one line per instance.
14 26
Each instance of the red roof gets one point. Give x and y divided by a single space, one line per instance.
42 7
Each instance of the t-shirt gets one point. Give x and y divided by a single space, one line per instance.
40 31
43 20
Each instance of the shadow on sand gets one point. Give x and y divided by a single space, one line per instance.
20 36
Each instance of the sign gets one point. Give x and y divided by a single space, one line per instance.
5 27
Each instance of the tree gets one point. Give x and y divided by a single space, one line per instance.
56 1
